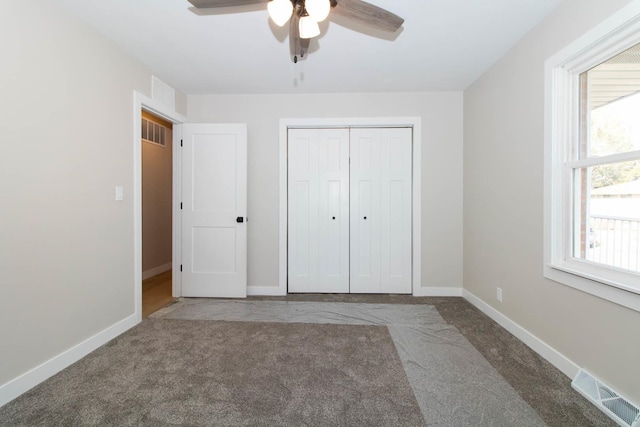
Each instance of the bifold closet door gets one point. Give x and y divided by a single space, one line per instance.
318 210
380 182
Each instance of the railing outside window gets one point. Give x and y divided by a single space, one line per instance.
614 241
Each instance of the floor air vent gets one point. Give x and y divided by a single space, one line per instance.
611 403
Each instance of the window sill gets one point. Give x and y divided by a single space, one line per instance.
596 287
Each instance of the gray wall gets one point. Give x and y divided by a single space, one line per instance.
503 208
441 115
66 247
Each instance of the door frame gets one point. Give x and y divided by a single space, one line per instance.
416 183
142 102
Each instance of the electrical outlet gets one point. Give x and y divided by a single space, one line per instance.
499 294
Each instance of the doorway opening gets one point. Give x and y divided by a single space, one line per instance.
143 103
157 189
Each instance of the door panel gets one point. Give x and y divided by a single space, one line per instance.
214 194
303 212
333 175
361 248
318 252
381 210
395 242
365 211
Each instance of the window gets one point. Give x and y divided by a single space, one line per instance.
592 188
604 164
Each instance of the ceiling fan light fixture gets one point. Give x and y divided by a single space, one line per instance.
318 9
280 11
308 28
304 15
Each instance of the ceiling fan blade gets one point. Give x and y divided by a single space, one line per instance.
297 46
368 14
202 4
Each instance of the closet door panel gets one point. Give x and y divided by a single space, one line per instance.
395 233
303 211
318 251
362 237
365 211
381 210
333 213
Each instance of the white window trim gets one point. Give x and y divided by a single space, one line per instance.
615 34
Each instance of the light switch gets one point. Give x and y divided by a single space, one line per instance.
119 193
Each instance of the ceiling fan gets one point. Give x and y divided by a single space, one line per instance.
303 17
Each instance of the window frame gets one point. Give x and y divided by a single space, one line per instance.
562 132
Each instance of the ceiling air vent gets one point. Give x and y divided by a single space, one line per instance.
154 133
607 400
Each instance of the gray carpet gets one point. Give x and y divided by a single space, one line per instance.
190 372
453 383
541 385
83 399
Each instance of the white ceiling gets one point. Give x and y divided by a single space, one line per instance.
443 45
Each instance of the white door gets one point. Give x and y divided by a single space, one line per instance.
380 229
214 207
318 251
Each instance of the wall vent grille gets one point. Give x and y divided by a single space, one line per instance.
607 400
154 133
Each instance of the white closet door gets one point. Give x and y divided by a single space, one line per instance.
380 229
318 251
365 210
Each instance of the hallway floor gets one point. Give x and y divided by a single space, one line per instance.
156 293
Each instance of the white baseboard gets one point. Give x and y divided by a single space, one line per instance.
271 291
35 376
437 292
419 292
554 357
156 270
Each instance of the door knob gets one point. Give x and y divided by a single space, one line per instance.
333 217
365 217
239 219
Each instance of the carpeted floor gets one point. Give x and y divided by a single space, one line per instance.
547 390
185 371
453 384
203 373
